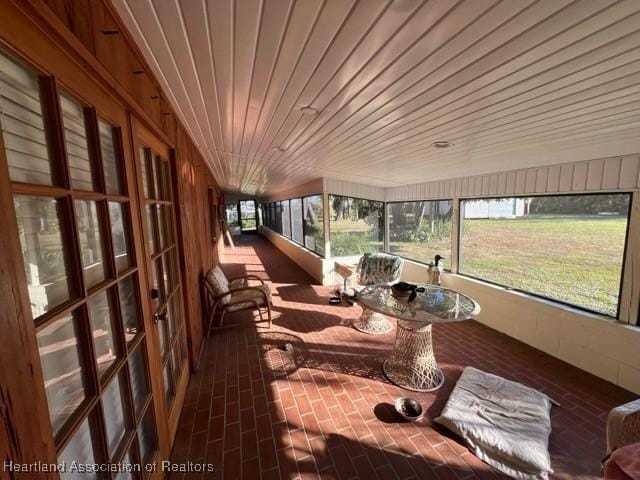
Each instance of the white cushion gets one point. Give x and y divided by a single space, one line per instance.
504 423
219 283
250 298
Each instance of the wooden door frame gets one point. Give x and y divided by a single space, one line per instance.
141 134
189 317
26 435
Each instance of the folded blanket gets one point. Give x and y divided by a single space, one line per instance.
504 423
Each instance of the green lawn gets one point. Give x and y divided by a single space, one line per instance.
353 237
424 253
573 259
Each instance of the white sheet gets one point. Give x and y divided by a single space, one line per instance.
504 423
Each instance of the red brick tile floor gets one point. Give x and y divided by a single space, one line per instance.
324 411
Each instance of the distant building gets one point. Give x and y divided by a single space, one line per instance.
496 208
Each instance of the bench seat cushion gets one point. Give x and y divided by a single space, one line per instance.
250 298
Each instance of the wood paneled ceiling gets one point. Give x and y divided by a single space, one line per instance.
509 83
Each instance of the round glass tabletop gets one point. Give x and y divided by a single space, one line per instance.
433 305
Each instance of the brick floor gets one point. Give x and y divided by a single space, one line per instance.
255 411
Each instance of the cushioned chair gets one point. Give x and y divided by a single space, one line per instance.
623 425
235 295
376 269
623 442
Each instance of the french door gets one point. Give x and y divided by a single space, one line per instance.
64 160
93 227
248 219
161 255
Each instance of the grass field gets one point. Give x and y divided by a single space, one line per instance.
574 259
353 237
424 253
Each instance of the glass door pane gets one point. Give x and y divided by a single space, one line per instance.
248 215
233 220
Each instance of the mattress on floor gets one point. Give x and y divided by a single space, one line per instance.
504 423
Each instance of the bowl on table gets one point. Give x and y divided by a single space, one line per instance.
402 290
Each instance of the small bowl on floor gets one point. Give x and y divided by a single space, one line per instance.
408 408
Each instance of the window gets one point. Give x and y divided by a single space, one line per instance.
213 214
278 209
421 230
286 219
313 223
356 225
91 242
568 248
119 235
232 215
110 157
75 135
267 215
272 216
300 219
297 233
46 262
22 120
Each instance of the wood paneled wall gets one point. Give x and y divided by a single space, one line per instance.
198 252
608 174
309 188
350 189
93 33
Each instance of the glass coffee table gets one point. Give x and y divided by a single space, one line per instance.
412 364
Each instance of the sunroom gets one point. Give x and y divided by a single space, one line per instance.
341 239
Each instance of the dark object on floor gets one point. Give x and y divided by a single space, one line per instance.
386 413
409 408
287 347
335 300
350 299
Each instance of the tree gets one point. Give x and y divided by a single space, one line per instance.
580 204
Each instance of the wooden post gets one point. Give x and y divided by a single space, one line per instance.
456 231
630 293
